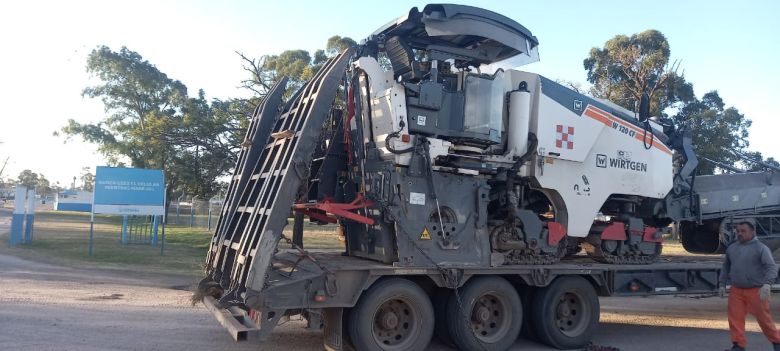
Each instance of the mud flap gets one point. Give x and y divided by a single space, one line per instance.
334 337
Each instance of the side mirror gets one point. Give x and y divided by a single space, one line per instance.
644 107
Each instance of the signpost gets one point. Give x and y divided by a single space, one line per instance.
128 191
16 236
23 216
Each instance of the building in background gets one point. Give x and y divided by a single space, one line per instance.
7 194
73 200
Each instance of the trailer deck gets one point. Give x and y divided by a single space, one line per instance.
672 275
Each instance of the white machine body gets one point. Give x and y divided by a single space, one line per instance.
585 157
584 154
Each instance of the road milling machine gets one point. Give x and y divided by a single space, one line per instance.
428 150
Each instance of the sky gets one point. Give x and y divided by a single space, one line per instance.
729 46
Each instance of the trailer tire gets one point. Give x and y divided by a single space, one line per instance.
527 297
494 324
440 299
565 313
393 314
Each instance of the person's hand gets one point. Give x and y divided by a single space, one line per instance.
765 292
722 291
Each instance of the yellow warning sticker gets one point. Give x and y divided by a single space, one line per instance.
425 235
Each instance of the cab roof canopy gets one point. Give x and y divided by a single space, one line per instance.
467 34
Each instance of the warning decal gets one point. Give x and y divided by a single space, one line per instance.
425 235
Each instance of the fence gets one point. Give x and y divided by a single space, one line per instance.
140 230
194 212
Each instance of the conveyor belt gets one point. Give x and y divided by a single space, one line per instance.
254 142
274 160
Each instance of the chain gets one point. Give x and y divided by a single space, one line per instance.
305 253
442 270
330 288
429 162
444 273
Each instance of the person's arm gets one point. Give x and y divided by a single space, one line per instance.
724 271
769 265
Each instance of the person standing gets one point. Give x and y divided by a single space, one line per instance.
751 269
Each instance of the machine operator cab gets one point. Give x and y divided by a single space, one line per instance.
439 73
446 73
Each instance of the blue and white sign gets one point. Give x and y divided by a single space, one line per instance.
129 191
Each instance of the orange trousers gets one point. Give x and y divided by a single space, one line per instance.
744 301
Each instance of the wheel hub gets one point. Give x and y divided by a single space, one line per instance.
564 310
388 320
482 314
570 314
488 318
394 323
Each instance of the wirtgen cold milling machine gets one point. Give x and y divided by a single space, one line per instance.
437 160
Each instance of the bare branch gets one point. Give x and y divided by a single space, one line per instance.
259 83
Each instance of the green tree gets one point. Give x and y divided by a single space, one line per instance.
717 131
87 179
626 67
151 123
43 187
297 65
28 179
337 44
212 133
757 156
32 180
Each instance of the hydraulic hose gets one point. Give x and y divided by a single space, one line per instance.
395 135
532 143
648 127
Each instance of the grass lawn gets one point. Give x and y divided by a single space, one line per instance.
675 248
63 237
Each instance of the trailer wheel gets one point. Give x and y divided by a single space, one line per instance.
565 313
527 297
394 314
440 299
488 317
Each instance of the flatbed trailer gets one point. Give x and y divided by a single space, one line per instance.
325 286
464 244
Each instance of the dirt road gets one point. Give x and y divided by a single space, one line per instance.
46 307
